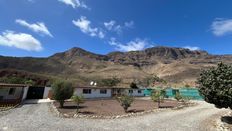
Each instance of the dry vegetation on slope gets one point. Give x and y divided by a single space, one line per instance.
175 65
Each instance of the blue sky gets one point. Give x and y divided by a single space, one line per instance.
41 28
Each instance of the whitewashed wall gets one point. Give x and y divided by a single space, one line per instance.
25 90
135 92
5 92
46 91
95 93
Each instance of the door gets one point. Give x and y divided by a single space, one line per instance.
35 93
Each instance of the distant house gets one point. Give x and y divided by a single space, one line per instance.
106 92
16 93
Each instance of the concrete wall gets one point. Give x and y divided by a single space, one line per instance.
46 91
135 92
95 93
4 91
25 90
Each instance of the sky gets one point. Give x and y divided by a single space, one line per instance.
40 28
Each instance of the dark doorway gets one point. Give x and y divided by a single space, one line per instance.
35 93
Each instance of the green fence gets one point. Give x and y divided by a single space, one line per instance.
191 93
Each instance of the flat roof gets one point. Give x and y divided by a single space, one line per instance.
12 85
97 87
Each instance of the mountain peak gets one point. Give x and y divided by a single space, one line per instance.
77 52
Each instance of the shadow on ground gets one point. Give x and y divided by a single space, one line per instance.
135 111
227 119
74 107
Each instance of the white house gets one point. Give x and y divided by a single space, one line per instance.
106 92
135 92
93 92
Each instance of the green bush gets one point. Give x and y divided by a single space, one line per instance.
158 96
125 101
178 97
78 100
133 85
61 91
215 85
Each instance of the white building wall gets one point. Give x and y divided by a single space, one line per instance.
135 92
95 93
25 90
4 91
46 91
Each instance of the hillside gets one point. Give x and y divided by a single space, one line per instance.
178 66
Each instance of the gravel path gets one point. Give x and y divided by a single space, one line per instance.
38 117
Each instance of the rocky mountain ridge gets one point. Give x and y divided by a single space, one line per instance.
176 65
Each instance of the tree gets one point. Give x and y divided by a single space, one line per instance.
125 101
178 97
78 100
215 85
133 85
158 96
61 91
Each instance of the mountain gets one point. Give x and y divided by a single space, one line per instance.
175 65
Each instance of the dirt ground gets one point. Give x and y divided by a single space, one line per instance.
111 107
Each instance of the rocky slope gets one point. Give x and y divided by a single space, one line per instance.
176 65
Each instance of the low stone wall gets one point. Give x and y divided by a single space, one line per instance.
57 113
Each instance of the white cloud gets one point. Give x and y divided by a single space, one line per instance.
32 1
38 27
112 26
221 27
75 3
109 25
20 40
133 45
129 24
192 48
85 27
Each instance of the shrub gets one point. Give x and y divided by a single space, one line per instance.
61 91
158 96
125 101
30 82
215 85
78 100
133 85
178 97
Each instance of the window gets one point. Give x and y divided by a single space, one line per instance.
130 91
86 91
139 91
103 91
12 91
1 97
